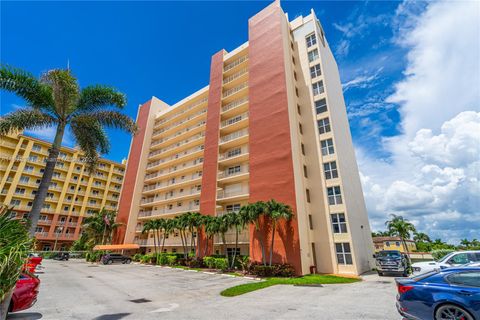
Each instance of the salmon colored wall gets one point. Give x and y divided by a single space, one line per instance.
212 133
271 164
131 173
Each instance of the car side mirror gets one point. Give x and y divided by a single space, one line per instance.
374 256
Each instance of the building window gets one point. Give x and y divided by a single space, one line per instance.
20 190
234 152
28 169
318 88
15 202
298 109
233 207
315 71
311 40
327 147
296 91
24 179
323 125
305 171
330 169
334 195
313 55
339 224
300 128
233 170
36 147
310 221
303 149
307 191
321 105
344 254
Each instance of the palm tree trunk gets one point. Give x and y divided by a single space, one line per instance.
274 226
236 246
205 249
224 245
406 249
262 247
154 243
42 191
163 241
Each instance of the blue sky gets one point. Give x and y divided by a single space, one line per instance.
410 72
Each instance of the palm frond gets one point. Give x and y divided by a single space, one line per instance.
98 97
112 119
65 90
24 85
91 138
27 118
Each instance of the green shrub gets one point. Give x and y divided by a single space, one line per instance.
94 256
221 263
171 260
195 263
275 270
438 254
209 262
137 257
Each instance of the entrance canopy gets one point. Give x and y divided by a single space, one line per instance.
112 247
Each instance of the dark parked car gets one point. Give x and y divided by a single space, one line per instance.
452 293
391 261
110 258
62 256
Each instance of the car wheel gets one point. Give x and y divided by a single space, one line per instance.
451 311
380 273
109 261
128 261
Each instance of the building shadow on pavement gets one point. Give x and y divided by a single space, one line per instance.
25 316
113 316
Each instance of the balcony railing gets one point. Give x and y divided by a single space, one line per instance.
184 166
234 104
175 157
222 194
177 145
176 134
235 63
170 183
234 135
234 172
235 76
41 234
234 119
168 211
230 154
176 124
161 121
235 90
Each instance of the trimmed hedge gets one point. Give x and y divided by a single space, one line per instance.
216 263
275 270
438 254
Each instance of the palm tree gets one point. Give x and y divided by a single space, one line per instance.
277 211
421 237
56 100
99 227
147 227
168 227
402 228
193 221
235 220
180 225
252 213
224 225
211 226
465 242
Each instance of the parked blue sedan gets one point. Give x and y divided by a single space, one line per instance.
452 293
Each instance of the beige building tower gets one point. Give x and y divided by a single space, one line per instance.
271 124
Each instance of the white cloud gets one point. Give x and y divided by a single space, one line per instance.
433 174
362 81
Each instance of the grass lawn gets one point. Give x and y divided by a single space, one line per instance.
305 280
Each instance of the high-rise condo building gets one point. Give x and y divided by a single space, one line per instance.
272 124
73 194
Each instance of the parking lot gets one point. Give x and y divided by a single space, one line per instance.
78 290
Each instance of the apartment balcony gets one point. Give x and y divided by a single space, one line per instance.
41 235
177 147
235 93
243 238
9 145
44 221
235 65
235 107
231 157
236 78
165 211
149 178
72 224
240 194
234 123
195 178
179 124
233 139
178 196
164 121
233 175
177 136
186 155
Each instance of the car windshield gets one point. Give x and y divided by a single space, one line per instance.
446 257
389 254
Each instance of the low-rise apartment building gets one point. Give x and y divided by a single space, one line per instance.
74 193
271 124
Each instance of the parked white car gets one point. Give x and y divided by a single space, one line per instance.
453 259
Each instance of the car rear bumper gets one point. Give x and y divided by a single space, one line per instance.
403 312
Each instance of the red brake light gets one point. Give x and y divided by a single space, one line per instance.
402 288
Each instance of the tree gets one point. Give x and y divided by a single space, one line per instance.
238 222
211 227
381 234
224 225
400 227
277 211
56 100
421 237
147 228
252 213
193 221
168 227
99 227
